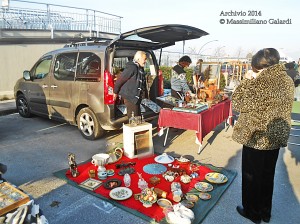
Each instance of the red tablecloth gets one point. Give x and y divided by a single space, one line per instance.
202 123
155 211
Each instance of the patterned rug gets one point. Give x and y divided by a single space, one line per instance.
154 213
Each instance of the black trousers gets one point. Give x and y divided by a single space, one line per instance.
131 107
258 170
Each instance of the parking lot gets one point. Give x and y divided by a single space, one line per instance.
33 149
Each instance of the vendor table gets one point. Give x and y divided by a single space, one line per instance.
203 122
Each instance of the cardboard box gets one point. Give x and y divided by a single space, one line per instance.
137 140
11 198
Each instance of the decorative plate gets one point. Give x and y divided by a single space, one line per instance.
112 183
204 196
164 158
204 187
187 204
120 193
216 178
192 197
164 203
154 168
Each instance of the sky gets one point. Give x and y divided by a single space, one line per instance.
216 17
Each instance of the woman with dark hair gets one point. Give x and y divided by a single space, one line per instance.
263 127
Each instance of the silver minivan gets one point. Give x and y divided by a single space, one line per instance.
75 83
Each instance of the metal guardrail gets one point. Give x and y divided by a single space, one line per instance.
71 18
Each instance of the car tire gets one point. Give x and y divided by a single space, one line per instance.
23 106
88 124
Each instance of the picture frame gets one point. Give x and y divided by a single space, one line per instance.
91 184
212 72
11 198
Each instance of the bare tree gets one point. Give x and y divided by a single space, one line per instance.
219 51
239 52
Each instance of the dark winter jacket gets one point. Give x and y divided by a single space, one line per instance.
131 83
265 105
293 74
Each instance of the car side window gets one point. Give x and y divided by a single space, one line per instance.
42 68
89 67
65 66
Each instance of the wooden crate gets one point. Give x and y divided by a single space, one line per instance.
11 198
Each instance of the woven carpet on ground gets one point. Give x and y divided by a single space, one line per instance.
154 213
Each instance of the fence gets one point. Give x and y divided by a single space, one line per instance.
57 17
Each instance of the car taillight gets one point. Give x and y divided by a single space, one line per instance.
160 83
108 88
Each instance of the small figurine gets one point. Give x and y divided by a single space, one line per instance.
73 165
142 184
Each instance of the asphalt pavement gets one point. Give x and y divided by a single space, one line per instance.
219 150
7 107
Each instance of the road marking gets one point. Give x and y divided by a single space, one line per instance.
51 127
107 207
76 206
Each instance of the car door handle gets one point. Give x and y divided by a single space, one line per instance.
44 86
53 86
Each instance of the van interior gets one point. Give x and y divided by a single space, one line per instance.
120 58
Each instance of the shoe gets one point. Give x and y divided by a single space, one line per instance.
266 219
242 212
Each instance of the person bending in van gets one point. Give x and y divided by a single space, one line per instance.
131 84
179 86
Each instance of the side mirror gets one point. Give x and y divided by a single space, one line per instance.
26 75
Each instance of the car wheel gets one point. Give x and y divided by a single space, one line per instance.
88 124
23 107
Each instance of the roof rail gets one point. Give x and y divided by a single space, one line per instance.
89 42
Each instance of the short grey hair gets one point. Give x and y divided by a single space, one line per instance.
138 55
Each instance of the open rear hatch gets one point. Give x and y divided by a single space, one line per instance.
154 38
157 37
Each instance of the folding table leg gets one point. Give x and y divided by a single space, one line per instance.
200 148
166 136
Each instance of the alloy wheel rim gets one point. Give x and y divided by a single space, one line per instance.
87 124
23 107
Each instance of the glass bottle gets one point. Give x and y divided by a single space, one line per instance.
143 120
132 120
